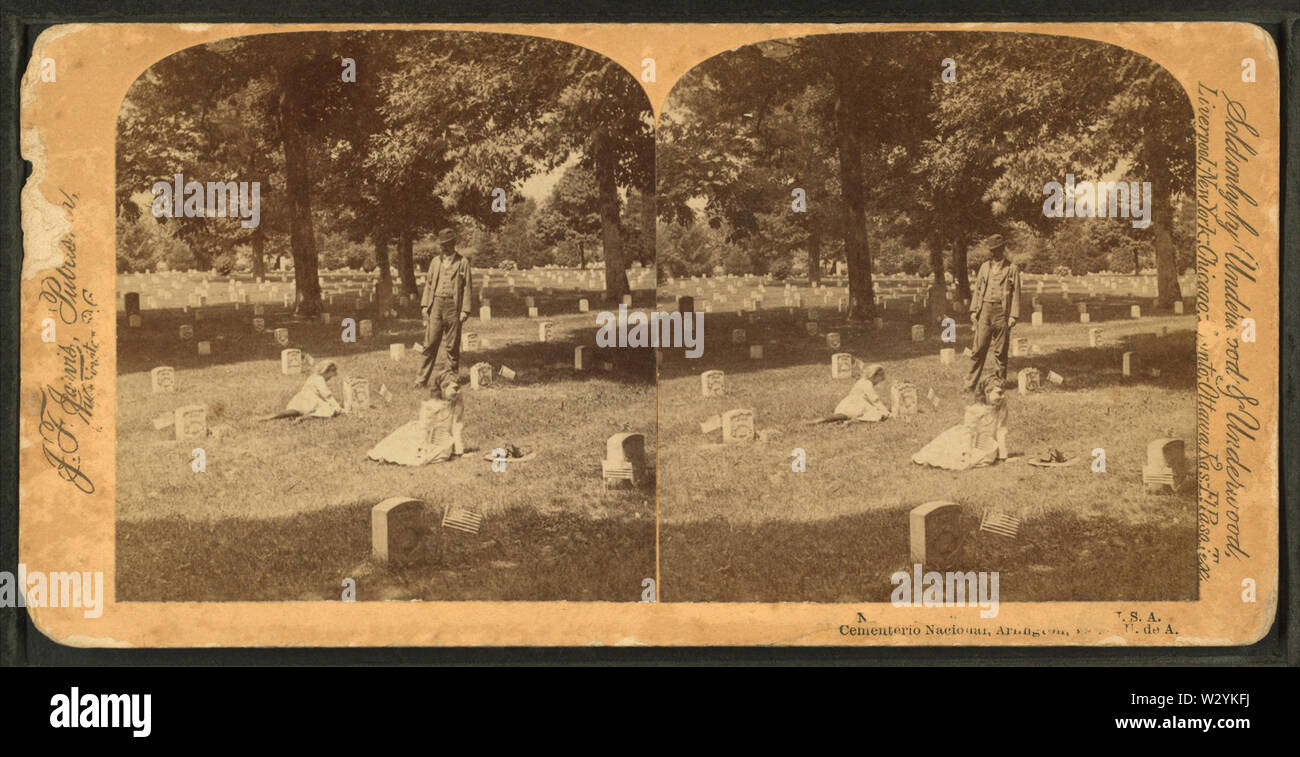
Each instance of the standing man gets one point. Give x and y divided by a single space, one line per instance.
994 310
445 305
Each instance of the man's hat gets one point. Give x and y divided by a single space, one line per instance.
995 243
446 235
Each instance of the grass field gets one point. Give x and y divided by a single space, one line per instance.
282 511
737 524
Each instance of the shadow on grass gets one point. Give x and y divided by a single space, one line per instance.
1061 558
519 554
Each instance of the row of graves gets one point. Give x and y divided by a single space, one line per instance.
937 530
406 530
904 304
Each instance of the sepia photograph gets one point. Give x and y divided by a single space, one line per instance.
949 284
356 352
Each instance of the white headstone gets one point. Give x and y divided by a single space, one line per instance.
934 533
396 351
903 397
544 330
841 365
291 361
713 384
738 426
356 394
480 376
1029 380
947 355
1094 337
191 423
186 331
396 527
163 379
755 352
205 348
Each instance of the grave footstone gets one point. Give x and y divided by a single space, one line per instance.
133 321
396 352
1084 318
507 373
947 356
205 348
934 531
583 306
396 529
1037 318
738 426
755 352
1135 311
1055 378
918 333
581 358
162 379
1178 307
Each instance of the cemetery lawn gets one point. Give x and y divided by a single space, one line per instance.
737 524
282 511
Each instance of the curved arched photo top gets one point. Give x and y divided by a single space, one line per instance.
905 145
373 136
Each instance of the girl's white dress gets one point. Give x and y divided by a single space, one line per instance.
862 403
972 443
315 399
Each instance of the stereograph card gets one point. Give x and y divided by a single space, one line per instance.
373 335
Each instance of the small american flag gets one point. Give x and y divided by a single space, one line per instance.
462 519
1000 522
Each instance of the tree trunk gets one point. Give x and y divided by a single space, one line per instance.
258 242
649 227
857 252
582 256
1167 287
814 258
384 289
406 264
607 193
961 268
297 186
